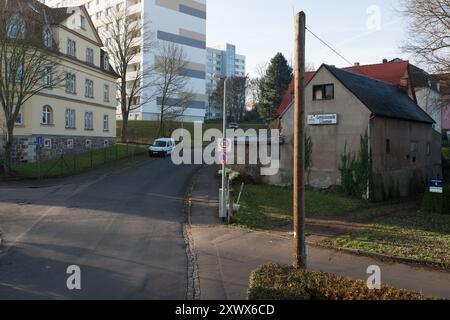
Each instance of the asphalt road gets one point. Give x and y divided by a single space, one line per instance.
124 230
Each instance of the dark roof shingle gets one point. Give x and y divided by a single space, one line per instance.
381 98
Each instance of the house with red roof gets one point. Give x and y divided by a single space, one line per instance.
342 107
413 81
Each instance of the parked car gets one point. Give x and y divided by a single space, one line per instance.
233 125
162 147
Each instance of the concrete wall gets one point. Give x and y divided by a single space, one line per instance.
414 157
329 141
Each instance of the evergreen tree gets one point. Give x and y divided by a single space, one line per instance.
274 84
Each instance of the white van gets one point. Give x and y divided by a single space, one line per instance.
162 147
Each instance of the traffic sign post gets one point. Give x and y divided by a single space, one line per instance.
224 146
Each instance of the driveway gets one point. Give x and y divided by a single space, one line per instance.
124 230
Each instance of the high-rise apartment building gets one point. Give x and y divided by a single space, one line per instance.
222 61
182 22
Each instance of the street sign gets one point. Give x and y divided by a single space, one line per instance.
224 145
224 158
437 186
39 141
322 119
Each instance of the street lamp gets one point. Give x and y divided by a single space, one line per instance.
223 202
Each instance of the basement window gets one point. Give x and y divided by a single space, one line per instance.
323 92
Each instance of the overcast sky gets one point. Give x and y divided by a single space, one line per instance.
364 31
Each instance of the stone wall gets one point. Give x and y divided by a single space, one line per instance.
25 150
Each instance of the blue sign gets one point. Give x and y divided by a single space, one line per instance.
39 141
437 183
437 186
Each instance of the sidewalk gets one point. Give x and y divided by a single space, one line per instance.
226 256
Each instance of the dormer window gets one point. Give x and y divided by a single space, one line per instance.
48 37
16 28
106 62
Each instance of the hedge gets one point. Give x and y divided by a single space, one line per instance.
437 202
282 282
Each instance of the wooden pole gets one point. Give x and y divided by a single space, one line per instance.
299 144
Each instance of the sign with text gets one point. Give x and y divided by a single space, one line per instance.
224 146
322 119
437 186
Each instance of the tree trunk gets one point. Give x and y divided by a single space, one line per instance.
8 149
125 112
124 133
161 123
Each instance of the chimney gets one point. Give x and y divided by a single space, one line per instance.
357 64
385 60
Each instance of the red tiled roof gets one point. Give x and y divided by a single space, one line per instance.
390 72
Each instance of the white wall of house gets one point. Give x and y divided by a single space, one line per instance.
431 102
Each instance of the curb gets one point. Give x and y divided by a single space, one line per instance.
193 288
436 266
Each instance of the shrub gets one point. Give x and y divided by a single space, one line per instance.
281 282
356 169
437 202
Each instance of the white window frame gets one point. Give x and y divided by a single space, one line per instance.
70 118
16 28
71 83
83 22
48 37
89 120
106 62
48 77
47 115
106 93
89 88
90 55
71 48
105 122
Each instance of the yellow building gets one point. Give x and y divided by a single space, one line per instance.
80 114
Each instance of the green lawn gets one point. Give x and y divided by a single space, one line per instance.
146 131
415 236
269 207
71 164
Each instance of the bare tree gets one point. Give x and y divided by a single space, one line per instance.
29 63
429 32
171 84
127 40
237 94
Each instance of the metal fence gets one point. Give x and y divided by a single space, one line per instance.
69 164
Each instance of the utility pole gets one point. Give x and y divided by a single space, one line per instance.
223 205
299 144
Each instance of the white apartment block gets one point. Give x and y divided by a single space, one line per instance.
222 61
182 22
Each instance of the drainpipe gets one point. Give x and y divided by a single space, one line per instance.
369 145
